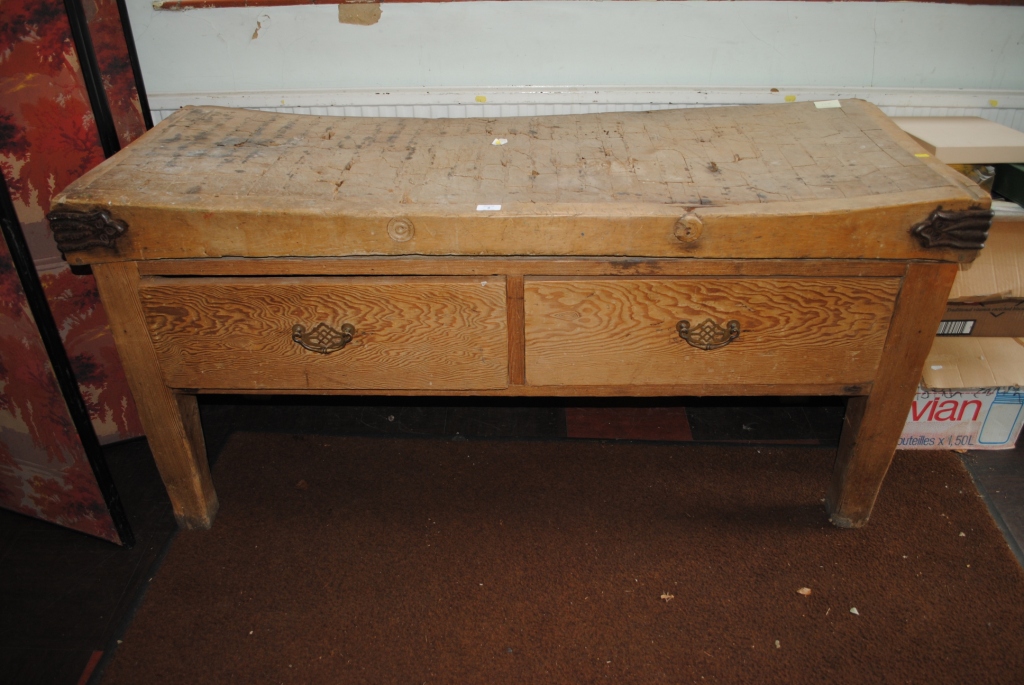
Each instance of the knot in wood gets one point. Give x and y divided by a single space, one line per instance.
689 228
401 230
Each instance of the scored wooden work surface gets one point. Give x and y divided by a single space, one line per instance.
769 250
685 157
749 182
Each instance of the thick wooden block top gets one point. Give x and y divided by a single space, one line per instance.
766 181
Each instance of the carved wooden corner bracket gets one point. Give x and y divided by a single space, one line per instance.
962 230
74 230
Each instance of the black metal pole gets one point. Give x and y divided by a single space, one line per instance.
59 361
93 78
133 57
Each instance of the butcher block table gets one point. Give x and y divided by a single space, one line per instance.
763 250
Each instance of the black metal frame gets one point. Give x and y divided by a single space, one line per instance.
93 78
50 334
133 57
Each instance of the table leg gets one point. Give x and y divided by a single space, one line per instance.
874 423
171 420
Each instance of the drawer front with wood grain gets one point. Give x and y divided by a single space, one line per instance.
705 331
329 333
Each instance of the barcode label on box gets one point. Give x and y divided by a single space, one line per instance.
955 327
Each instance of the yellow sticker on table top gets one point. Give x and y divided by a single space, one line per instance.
921 154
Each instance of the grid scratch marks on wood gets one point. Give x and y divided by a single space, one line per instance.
674 157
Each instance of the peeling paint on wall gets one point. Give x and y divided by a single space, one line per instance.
263 20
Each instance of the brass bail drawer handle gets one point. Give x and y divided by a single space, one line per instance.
322 338
708 335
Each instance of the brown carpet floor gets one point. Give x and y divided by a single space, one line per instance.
343 560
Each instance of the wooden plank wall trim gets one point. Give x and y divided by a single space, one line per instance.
200 4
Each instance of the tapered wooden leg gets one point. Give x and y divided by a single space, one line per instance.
171 421
874 423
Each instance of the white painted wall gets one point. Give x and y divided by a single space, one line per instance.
776 44
684 52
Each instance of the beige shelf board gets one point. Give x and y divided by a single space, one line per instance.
965 140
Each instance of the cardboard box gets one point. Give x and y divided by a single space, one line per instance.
971 396
959 363
984 419
1003 319
998 272
965 140
987 299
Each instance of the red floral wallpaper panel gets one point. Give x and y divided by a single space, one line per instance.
48 138
43 468
116 68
